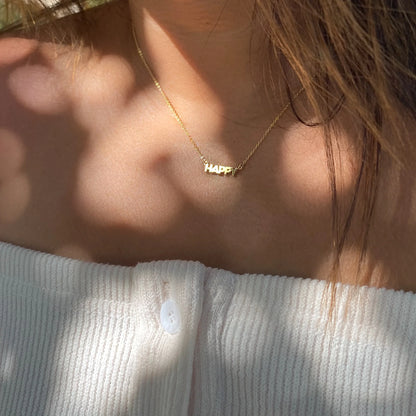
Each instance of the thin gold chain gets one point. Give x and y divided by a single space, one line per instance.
206 162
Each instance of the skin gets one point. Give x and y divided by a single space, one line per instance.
93 165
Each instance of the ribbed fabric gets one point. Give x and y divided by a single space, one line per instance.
80 338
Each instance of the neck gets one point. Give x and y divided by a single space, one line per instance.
204 51
199 17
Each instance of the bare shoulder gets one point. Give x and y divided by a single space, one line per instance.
19 51
39 73
30 90
393 239
31 77
34 110
16 50
43 88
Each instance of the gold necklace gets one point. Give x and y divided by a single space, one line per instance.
208 166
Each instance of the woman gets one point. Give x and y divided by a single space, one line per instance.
164 165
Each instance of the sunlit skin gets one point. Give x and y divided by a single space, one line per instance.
102 171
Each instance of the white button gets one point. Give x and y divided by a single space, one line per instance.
170 317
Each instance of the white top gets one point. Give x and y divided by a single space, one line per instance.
178 338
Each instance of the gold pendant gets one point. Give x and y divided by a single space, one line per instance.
220 170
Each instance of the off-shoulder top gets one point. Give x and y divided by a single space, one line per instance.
177 338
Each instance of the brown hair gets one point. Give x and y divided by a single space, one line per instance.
355 54
363 54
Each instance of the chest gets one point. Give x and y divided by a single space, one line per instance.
119 184
122 192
